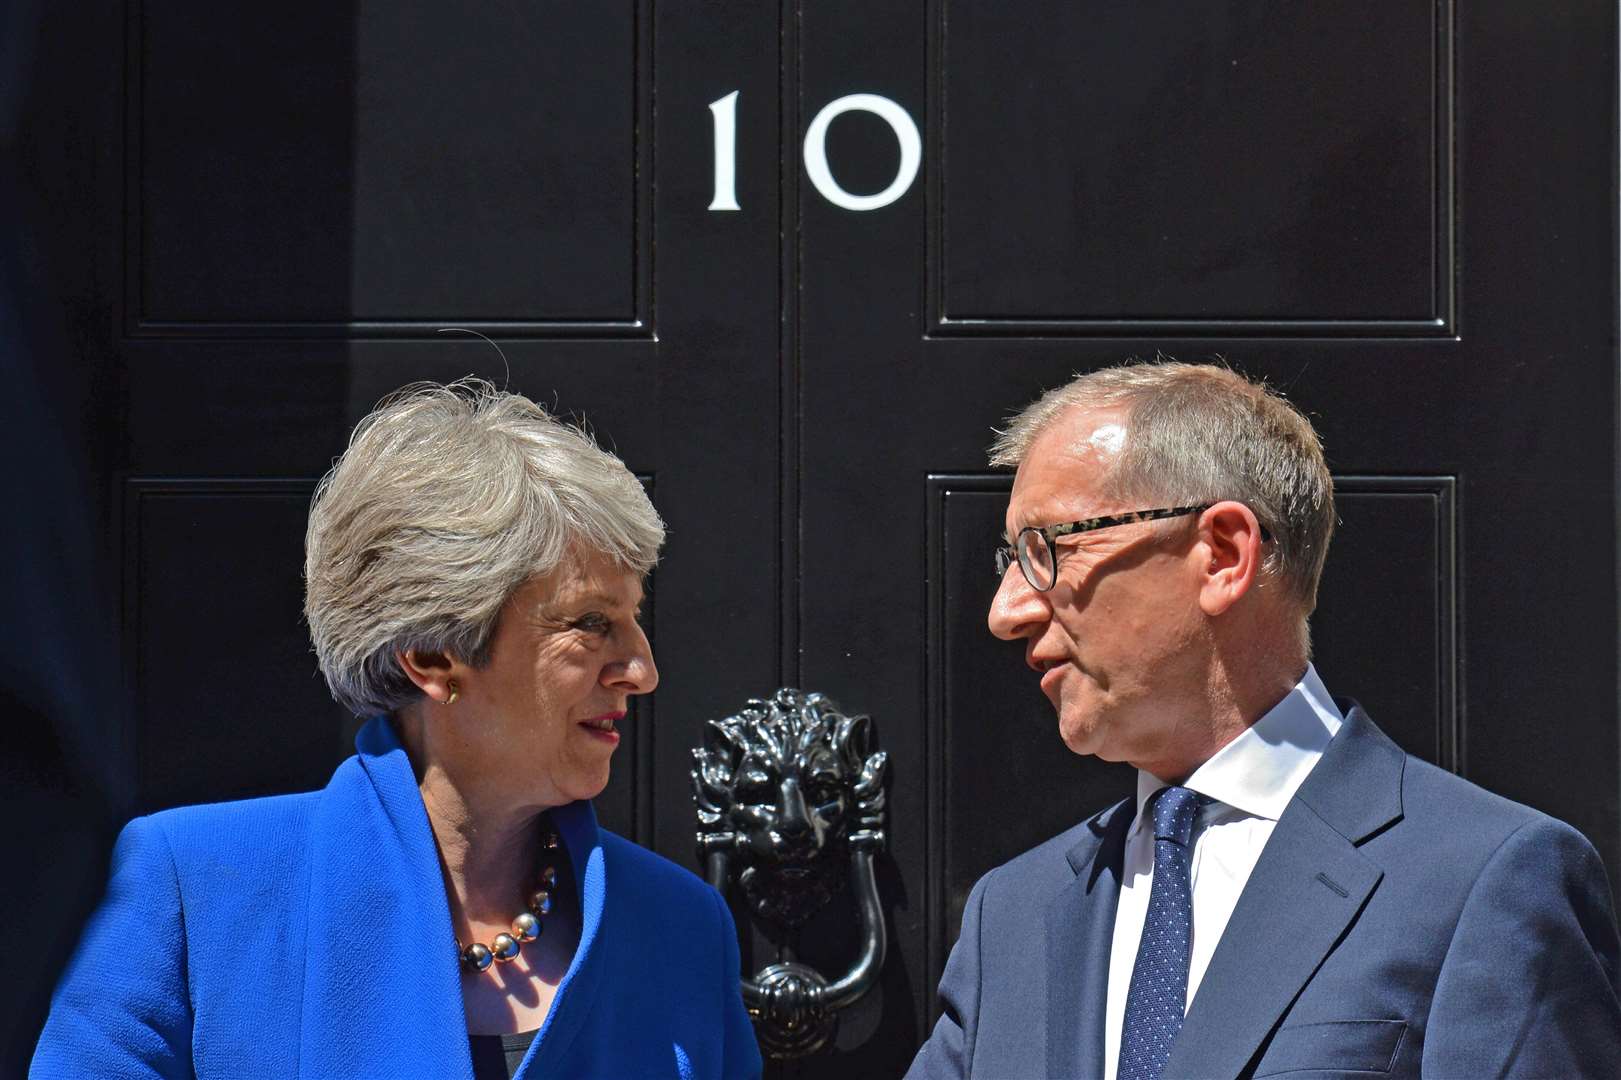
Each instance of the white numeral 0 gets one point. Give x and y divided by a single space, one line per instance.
905 134
899 121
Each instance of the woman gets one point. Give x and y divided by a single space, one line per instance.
447 905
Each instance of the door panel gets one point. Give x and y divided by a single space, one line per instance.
1277 166
377 169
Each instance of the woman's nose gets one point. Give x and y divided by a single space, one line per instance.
637 673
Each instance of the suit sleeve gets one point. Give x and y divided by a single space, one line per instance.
122 1007
949 1053
741 1052
1530 981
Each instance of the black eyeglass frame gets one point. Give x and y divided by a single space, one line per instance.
1008 554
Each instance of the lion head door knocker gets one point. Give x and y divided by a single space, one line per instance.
790 796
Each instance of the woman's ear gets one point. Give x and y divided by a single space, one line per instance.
434 673
1230 549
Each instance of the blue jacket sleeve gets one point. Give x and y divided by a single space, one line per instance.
1530 981
122 1008
741 1057
950 1050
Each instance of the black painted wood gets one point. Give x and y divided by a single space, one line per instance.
1389 597
227 710
1248 167
376 168
1402 218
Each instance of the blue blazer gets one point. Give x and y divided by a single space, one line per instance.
309 936
1400 921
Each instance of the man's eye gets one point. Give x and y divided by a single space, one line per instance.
593 623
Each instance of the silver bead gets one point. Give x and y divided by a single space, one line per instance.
548 876
505 948
540 902
550 842
525 927
477 956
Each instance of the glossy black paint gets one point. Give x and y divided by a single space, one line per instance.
246 225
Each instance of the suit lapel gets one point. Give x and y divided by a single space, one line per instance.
576 999
1307 889
1080 931
382 985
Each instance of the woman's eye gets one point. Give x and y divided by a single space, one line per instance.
592 624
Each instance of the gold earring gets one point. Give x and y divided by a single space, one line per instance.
454 692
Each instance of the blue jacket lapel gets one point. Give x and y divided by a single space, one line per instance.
1080 931
576 994
377 1002
1307 889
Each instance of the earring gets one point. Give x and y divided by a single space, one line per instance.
454 692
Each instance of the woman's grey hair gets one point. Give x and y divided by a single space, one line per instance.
1198 433
447 500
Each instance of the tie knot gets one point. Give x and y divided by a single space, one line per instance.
1174 810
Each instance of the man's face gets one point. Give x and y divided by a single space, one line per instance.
1119 641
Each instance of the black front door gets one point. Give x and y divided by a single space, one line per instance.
1399 215
794 264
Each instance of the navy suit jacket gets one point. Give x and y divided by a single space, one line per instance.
1401 921
309 936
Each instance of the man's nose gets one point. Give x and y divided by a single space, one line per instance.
1017 610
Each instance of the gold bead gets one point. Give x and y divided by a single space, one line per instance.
504 948
525 927
540 902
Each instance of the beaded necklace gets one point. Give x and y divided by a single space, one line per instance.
526 925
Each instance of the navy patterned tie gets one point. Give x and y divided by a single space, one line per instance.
1159 980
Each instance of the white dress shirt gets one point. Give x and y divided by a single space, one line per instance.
1251 780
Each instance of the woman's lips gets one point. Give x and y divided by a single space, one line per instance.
602 727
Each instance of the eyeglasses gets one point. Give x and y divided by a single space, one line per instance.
1037 558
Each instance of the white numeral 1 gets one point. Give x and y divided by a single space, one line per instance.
725 112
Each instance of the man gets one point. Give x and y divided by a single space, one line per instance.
1289 892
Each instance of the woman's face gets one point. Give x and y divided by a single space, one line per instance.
566 656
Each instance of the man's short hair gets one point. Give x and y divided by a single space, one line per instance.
1198 433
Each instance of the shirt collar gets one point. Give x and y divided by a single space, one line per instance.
1260 770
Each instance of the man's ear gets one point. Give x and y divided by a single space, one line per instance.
1230 549
434 673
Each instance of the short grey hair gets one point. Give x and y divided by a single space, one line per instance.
1199 433
448 499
